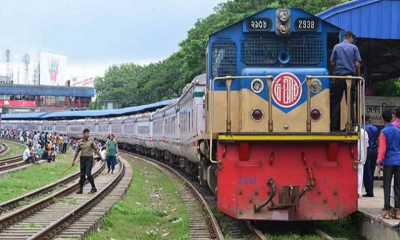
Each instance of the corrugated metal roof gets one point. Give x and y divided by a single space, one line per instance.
367 18
107 113
89 113
40 90
20 116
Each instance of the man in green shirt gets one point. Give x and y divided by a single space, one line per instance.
112 151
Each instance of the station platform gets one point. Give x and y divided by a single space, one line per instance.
372 225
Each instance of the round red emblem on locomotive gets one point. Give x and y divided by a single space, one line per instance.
286 90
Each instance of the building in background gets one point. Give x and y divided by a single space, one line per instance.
81 82
33 98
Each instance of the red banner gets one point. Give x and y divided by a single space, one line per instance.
17 103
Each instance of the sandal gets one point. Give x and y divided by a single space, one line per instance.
384 216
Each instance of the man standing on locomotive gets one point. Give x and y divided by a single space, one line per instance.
346 59
86 147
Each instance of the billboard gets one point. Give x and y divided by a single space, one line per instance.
17 103
82 82
53 69
375 106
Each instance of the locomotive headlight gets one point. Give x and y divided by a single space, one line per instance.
257 85
316 85
284 15
283 29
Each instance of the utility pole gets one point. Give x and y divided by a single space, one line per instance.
18 75
26 60
8 70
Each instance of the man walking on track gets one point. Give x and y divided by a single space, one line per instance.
112 151
86 147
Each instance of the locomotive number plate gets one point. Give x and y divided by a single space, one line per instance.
306 24
259 24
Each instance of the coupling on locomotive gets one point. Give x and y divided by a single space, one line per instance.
256 127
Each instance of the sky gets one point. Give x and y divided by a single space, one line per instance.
94 34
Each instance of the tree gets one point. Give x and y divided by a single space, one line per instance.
132 84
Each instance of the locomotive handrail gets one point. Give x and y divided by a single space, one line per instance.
228 120
359 102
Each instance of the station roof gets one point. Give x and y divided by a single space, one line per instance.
377 19
23 116
43 90
376 25
88 113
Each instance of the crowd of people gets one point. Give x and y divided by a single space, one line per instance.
381 151
46 145
43 145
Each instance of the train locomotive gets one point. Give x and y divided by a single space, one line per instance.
255 128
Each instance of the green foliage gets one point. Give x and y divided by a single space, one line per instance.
94 105
148 209
132 84
33 177
389 88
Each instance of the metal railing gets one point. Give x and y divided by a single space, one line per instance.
359 98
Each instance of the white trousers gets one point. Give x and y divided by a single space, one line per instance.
360 177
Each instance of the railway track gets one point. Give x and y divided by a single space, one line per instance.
11 163
51 216
16 202
202 222
203 219
3 149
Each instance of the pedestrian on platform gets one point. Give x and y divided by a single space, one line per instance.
346 59
389 157
65 144
86 147
112 151
362 146
372 155
396 122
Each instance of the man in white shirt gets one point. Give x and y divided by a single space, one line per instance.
362 147
28 155
36 139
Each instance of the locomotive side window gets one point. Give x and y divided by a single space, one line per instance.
223 58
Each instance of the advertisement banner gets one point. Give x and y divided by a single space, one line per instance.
374 107
53 69
17 103
82 82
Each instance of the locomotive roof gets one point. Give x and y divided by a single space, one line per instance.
267 9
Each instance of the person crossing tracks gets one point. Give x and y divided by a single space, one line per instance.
86 147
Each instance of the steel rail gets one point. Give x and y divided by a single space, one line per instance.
217 233
10 160
323 234
55 228
3 148
257 234
11 164
20 214
14 203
